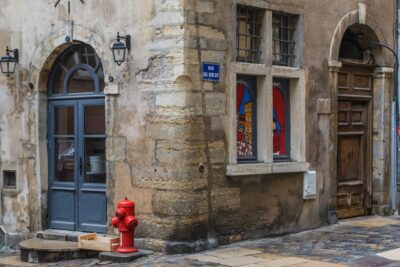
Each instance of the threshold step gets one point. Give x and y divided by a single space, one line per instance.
41 250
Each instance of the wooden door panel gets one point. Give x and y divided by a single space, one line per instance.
362 82
343 80
349 158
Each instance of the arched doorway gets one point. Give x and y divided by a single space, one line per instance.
76 141
354 123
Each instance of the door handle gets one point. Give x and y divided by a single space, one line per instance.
80 166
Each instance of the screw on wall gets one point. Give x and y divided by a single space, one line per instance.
201 168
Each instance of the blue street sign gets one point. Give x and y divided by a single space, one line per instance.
211 71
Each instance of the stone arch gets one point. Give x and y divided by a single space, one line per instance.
353 18
53 45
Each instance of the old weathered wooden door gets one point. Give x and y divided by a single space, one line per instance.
354 149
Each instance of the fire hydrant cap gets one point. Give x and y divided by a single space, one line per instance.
126 203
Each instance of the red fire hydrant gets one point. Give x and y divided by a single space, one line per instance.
126 222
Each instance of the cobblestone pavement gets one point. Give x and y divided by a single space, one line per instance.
366 241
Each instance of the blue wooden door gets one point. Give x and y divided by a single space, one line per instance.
77 175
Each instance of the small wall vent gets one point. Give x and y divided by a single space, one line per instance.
9 179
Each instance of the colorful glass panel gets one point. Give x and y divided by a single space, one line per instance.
245 114
280 117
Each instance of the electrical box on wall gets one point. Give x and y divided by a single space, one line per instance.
310 185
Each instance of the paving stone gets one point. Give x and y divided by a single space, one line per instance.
241 260
370 222
268 256
15 260
204 258
317 264
285 262
232 252
391 254
373 261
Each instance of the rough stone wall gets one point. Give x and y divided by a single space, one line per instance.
253 206
142 139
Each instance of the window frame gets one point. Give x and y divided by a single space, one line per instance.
76 52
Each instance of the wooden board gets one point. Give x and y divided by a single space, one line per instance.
96 242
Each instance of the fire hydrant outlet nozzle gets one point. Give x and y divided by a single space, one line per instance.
120 213
115 222
126 223
131 222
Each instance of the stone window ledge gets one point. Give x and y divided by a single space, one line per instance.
266 168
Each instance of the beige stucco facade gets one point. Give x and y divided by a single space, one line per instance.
171 137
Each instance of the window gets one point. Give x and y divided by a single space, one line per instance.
77 70
281 119
267 100
284 41
249 22
246 118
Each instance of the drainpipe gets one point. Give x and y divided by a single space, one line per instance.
396 101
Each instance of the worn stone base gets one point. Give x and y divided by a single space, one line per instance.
381 210
332 217
10 241
174 247
123 257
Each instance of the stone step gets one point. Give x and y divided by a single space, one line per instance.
60 235
41 250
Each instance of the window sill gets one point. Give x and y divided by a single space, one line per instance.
249 68
266 168
286 71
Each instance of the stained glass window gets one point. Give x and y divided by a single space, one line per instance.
281 121
246 117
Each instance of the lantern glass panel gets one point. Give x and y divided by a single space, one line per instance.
11 66
4 66
119 54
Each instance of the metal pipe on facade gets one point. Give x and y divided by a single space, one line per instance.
397 115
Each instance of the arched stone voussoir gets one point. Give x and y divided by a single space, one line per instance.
347 21
54 44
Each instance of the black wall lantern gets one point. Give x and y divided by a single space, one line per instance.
119 47
8 61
